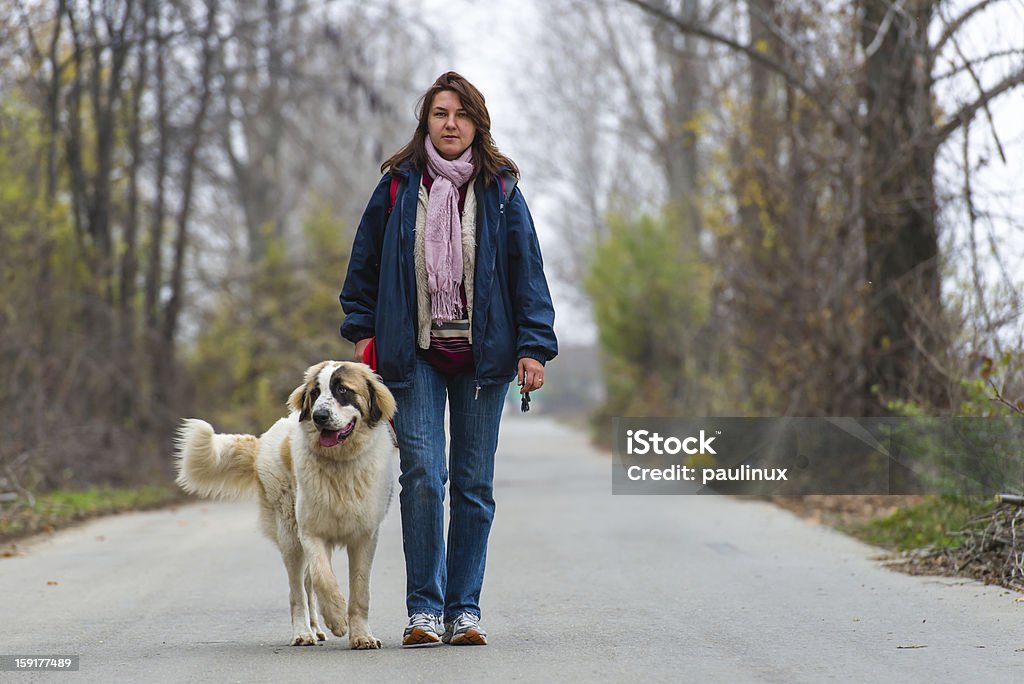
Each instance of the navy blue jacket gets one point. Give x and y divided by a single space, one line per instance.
512 312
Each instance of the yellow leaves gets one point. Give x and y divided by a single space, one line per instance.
698 123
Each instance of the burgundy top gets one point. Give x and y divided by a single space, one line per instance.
450 355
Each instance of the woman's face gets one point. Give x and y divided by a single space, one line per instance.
448 125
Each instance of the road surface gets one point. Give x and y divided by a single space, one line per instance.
580 584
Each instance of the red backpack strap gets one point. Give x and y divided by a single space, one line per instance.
394 193
507 190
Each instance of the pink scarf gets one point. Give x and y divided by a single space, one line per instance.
443 241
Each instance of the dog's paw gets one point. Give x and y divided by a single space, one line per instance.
314 627
364 642
304 639
338 627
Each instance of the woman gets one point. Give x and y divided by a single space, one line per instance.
446 280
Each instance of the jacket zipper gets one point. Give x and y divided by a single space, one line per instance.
501 212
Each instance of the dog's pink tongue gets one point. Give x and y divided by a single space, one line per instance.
329 438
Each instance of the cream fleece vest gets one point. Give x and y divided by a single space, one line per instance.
419 257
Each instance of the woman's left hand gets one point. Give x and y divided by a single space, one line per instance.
531 375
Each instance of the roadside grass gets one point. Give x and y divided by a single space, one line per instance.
932 523
60 508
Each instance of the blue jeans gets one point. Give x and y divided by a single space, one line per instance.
440 581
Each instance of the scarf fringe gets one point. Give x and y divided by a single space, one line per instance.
446 304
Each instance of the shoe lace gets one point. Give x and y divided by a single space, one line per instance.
423 620
466 620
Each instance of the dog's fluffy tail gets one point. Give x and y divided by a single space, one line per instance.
215 466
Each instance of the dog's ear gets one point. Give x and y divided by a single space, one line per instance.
374 409
382 402
299 399
297 402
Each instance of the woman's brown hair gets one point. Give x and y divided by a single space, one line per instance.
487 160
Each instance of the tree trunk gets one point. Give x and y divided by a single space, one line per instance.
106 95
130 262
154 260
683 105
53 113
177 284
128 313
900 237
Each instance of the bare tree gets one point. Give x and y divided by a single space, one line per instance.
208 60
888 128
144 117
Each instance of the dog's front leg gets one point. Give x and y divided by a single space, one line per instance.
314 624
360 559
325 584
294 563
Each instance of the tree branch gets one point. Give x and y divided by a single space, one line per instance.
1003 400
972 228
968 111
824 104
955 25
210 54
23 15
883 29
629 83
981 90
957 69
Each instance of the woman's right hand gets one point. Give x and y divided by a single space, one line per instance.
361 345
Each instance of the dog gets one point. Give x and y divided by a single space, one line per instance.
324 479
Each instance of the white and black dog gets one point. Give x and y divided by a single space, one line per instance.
324 479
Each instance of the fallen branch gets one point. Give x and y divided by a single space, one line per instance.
991 550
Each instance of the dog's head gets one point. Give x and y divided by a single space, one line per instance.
337 395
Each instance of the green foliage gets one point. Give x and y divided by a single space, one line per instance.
61 359
977 449
976 394
266 329
28 220
651 294
932 522
62 507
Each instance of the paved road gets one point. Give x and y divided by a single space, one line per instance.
580 584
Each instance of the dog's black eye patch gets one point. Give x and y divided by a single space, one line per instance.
343 394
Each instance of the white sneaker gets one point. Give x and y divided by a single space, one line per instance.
464 630
423 630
